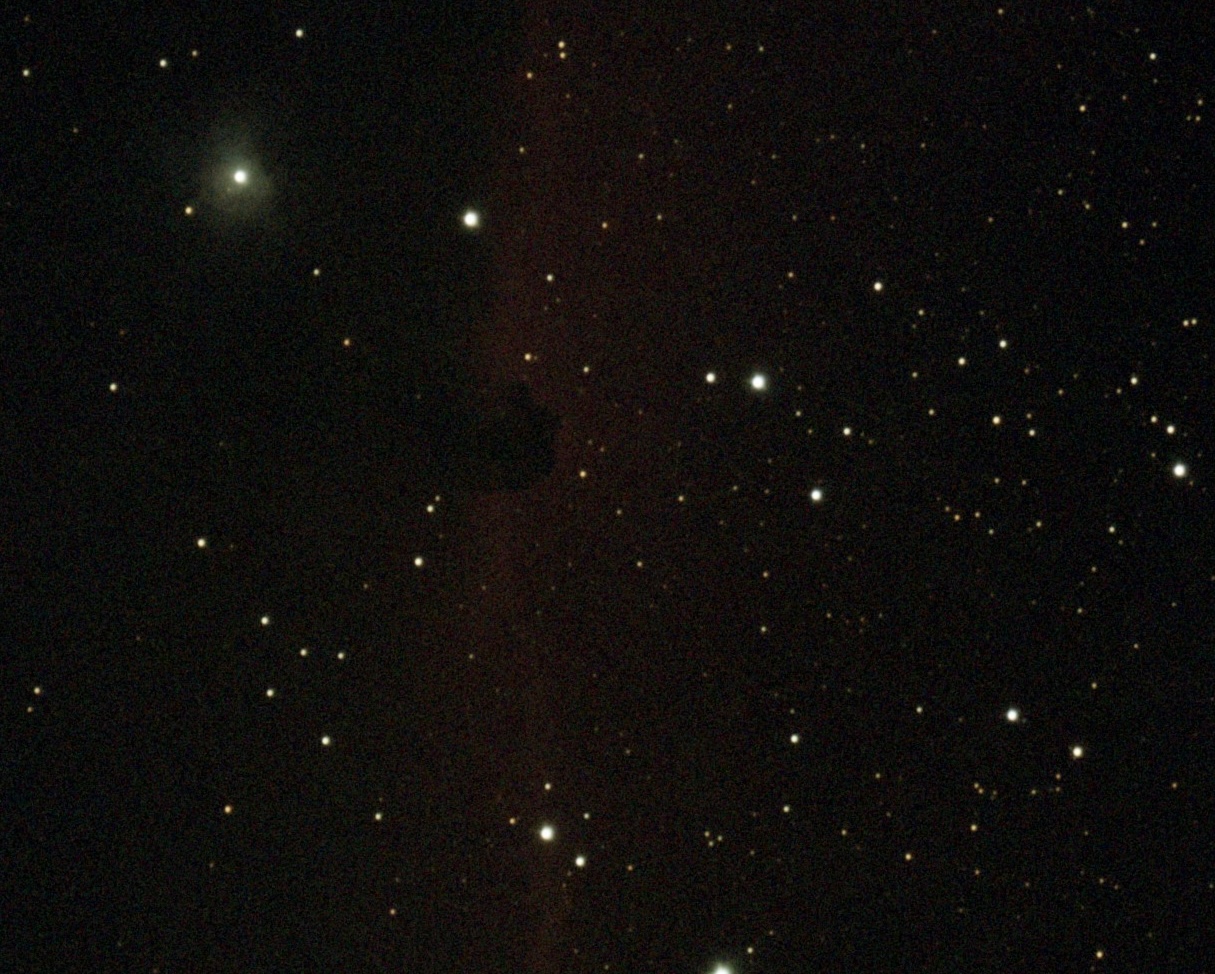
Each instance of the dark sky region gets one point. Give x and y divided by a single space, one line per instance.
687 488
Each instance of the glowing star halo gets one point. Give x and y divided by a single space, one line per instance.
236 189
237 181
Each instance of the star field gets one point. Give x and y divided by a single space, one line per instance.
717 489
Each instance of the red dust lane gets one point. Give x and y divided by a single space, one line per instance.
515 679
512 680
553 587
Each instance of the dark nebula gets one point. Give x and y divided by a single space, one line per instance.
497 439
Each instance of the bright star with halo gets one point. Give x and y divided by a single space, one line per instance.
238 179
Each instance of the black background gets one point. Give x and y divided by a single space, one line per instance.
776 727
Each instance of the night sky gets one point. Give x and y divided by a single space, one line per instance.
692 488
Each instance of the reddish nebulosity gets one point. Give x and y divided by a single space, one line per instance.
590 309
